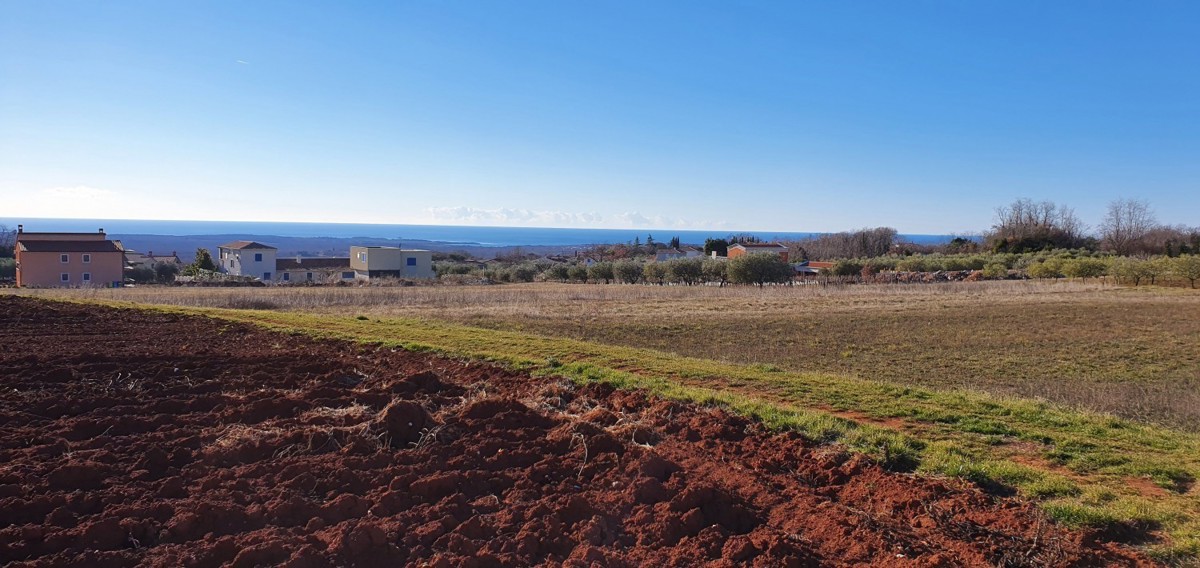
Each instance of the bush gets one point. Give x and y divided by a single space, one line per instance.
142 275
995 271
911 264
846 268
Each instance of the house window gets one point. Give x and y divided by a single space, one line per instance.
308 275
87 276
287 276
87 258
412 261
258 257
64 258
347 275
362 256
64 277
266 276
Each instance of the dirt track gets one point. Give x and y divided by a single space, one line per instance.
135 438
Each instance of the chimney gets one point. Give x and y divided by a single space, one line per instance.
20 229
101 230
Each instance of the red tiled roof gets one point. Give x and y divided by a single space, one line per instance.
68 246
758 245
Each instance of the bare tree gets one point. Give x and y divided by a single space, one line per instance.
8 239
1126 226
867 242
1026 225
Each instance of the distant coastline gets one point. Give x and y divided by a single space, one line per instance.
447 236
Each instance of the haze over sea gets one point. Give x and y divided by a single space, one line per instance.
459 234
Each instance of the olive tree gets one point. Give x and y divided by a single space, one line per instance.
759 269
655 273
715 271
1084 268
601 271
627 271
1187 267
687 271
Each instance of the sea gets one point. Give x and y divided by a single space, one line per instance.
450 234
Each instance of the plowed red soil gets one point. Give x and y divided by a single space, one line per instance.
138 438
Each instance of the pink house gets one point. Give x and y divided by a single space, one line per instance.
74 260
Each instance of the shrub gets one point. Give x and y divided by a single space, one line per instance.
995 271
846 268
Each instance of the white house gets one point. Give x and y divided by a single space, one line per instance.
247 258
391 262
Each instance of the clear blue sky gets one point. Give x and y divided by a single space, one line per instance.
789 116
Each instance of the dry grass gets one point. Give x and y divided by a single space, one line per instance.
1130 352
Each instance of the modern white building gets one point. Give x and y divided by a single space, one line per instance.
391 262
247 258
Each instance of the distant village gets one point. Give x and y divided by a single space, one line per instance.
46 260
73 260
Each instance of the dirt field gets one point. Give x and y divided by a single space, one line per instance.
137 438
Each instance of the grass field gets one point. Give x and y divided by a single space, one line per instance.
1131 352
823 362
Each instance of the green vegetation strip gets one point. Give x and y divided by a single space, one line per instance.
1085 469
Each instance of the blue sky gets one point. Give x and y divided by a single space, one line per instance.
785 116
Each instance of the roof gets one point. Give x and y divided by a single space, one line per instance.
25 236
758 245
243 245
68 246
310 263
